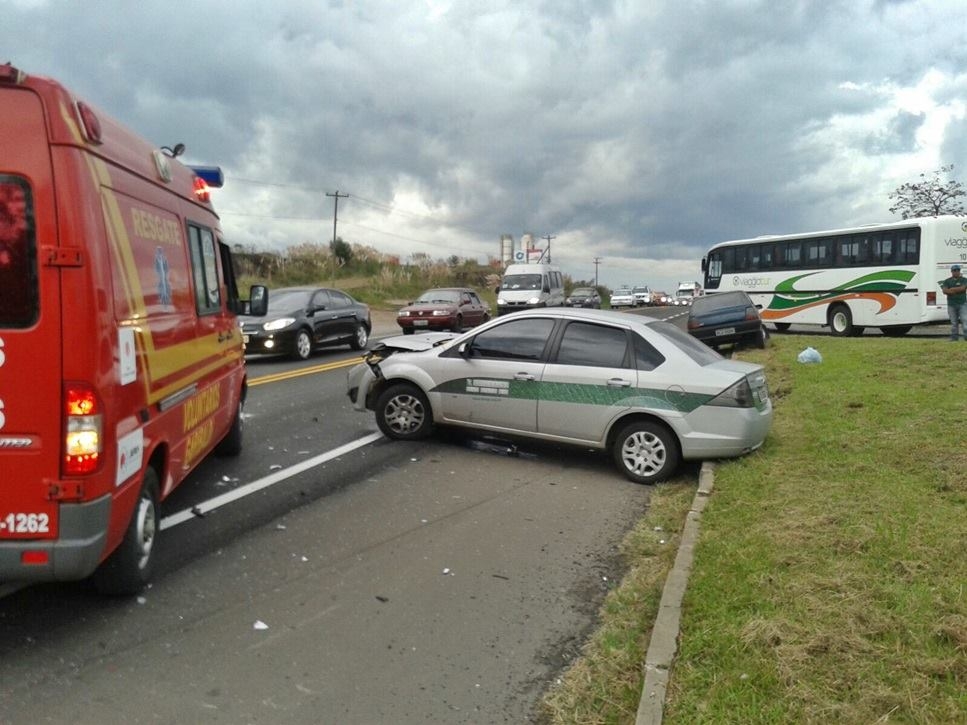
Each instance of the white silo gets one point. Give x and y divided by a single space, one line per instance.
506 249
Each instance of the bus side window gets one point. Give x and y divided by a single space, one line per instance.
882 248
908 247
792 254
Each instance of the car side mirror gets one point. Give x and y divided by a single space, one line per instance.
497 289
464 349
257 304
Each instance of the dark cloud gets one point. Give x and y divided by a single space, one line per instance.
640 132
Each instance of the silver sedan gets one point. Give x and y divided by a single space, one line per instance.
641 388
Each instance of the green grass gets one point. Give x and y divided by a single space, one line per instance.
830 579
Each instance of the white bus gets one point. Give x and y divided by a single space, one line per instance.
882 275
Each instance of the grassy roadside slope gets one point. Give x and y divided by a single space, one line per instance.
830 579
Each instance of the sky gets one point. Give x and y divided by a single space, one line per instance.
634 133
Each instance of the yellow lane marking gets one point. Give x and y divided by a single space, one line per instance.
325 367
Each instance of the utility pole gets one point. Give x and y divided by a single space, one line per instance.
548 237
335 211
597 261
335 215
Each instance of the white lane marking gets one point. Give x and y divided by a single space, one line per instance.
249 488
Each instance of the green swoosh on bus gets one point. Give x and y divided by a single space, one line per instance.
890 281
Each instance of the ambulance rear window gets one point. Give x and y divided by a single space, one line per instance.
18 258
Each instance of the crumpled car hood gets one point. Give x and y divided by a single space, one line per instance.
416 343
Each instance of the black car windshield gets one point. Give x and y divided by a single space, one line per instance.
438 295
582 292
521 281
288 300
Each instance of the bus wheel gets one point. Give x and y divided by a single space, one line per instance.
896 330
128 569
841 321
782 326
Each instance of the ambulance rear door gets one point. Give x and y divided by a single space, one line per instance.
30 327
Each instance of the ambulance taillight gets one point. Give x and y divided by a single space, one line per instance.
83 438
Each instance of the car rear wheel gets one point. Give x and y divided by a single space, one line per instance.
303 345
458 325
407 330
360 337
128 569
645 452
761 338
403 412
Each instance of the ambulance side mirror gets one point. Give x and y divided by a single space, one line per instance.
257 304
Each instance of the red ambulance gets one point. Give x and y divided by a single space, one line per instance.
121 359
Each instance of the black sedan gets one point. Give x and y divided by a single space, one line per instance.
583 297
726 318
302 319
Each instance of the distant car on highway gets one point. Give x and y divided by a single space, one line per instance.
726 318
622 297
642 296
638 387
443 308
583 297
303 319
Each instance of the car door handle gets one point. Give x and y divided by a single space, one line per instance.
619 383
524 376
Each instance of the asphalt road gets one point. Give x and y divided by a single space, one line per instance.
445 581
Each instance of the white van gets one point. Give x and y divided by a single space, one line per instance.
524 286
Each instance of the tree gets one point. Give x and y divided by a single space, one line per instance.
341 251
929 196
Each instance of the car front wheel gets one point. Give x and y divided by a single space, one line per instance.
403 412
303 345
360 337
645 452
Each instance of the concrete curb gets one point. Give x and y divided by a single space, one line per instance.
664 635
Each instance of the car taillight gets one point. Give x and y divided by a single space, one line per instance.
751 313
736 396
83 434
693 324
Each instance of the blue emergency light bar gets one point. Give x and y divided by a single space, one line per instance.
211 175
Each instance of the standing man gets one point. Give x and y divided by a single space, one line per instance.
955 287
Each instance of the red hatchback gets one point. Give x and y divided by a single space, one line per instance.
447 308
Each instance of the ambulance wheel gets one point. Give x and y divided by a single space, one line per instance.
360 337
645 452
231 444
303 345
403 413
128 569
